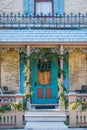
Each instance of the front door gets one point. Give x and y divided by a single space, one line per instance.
44 82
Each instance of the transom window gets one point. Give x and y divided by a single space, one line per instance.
44 72
43 6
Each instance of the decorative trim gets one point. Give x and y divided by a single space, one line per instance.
74 49
84 50
35 50
4 50
57 50
21 50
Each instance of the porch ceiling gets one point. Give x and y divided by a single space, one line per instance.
38 37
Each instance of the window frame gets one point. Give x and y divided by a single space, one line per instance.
35 1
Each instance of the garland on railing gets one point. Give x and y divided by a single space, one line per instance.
11 107
78 103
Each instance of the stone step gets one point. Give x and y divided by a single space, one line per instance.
45 115
45 126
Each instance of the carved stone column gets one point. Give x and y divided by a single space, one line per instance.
61 62
28 65
61 75
28 75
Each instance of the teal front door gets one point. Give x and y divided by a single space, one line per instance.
44 82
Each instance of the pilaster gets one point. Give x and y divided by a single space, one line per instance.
28 75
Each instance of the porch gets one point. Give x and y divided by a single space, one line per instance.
12 71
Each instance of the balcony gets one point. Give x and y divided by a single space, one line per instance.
21 21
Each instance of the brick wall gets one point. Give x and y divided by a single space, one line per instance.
78 70
76 6
10 70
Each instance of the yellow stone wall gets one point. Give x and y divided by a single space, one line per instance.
10 70
77 69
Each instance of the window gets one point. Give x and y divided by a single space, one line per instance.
44 72
43 6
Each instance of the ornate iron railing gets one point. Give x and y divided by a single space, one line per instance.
12 20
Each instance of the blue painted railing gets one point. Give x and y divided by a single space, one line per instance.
40 21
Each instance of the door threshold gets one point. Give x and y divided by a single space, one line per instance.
44 106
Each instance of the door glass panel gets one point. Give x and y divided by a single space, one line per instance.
40 77
44 72
44 77
48 93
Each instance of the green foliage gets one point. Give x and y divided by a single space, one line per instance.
62 89
84 107
74 105
16 106
11 107
62 72
25 106
66 122
44 53
2 109
81 103
7 107
23 58
25 70
28 95
26 83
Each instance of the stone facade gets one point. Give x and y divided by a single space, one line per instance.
74 6
10 70
77 69
11 6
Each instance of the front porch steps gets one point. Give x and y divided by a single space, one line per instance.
45 126
35 119
45 115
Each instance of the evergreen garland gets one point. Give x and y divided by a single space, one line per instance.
78 103
45 53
